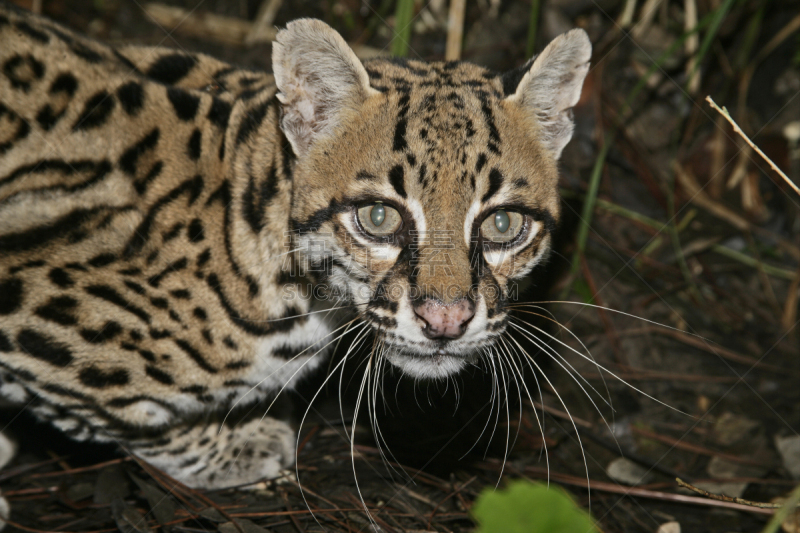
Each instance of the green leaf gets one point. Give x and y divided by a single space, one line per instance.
525 507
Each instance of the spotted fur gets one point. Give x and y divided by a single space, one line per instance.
162 214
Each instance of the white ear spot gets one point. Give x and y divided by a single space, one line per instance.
319 80
553 84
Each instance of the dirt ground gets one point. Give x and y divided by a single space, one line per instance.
691 264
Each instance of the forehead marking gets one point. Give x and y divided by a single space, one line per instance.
481 163
494 135
423 177
495 182
364 175
400 128
396 178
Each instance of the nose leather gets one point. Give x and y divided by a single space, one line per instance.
445 320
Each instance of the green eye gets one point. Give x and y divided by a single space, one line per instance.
377 214
501 221
502 226
379 220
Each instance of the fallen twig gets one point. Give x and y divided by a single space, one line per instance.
724 498
566 479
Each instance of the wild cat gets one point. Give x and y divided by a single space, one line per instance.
162 214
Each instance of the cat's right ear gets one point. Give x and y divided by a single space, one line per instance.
319 80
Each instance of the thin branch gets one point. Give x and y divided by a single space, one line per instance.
724 112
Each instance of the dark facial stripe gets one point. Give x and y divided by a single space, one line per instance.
219 112
494 135
480 163
315 221
495 182
364 175
110 330
67 168
396 178
400 143
32 32
159 375
194 145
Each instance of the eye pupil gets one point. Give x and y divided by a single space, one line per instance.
377 214
501 221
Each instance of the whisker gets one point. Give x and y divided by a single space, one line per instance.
609 309
558 358
301 315
496 394
376 429
254 387
300 430
553 354
601 367
539 422
552 319
531 361
504 350
487 356
277 395
355 345
508 418
352 440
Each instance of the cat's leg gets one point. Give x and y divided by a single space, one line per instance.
208 455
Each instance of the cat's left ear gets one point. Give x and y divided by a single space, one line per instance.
319 80
552 86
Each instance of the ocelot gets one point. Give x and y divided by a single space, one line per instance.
178 235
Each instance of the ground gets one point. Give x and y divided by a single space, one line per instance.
690 263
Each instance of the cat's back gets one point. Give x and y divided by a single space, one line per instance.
124 280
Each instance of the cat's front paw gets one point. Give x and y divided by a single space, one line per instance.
214 457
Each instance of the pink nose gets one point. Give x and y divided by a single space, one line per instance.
445 320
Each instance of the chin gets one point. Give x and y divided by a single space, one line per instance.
433 365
